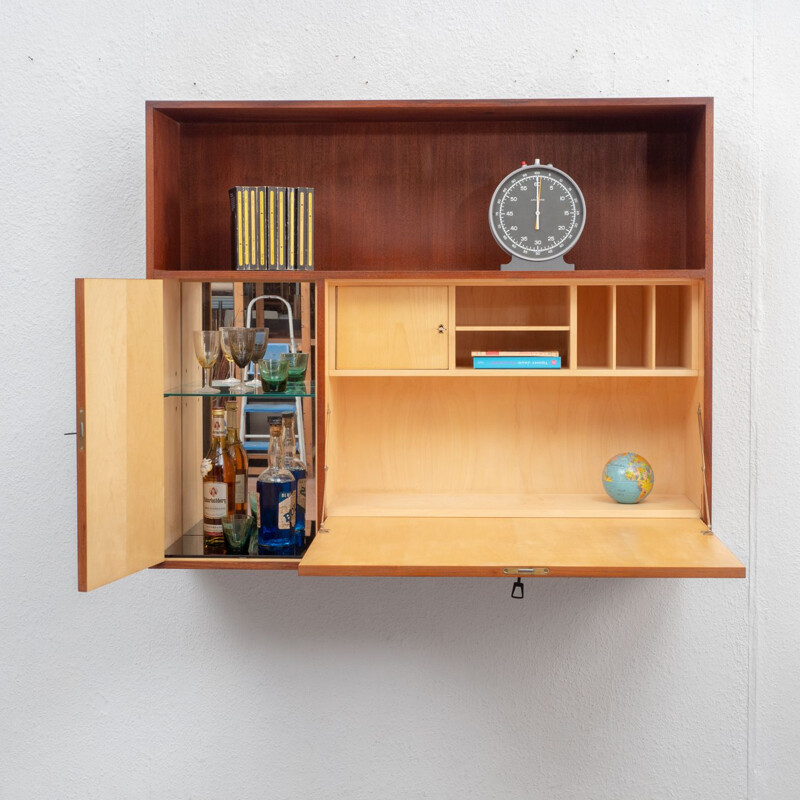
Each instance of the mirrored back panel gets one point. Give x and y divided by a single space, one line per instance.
250 348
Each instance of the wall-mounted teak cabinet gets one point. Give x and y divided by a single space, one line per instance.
423 465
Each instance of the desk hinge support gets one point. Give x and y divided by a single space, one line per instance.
708 531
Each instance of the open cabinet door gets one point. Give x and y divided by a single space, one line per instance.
119 335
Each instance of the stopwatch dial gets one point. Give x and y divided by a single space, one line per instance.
537 213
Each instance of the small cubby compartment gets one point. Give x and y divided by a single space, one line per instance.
635 326
675 326
512 306
468 342
595 315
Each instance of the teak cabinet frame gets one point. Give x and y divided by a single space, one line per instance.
402 188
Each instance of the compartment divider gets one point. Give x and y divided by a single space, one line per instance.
573 326
650 327
612 321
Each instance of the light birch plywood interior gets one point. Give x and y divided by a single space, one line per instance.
183 429
122 366
192 419
173 454
626 326
635 326
490 547
392 327
676 326
538 305
596 339
451 446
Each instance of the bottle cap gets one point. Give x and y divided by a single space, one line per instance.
274 420
288 417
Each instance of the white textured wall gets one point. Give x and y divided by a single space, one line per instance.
222 685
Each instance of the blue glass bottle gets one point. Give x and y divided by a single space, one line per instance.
277 498
292 462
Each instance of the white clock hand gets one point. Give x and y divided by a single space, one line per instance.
538 200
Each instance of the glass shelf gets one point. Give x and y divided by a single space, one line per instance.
292 390
191 545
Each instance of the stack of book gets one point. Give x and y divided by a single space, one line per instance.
273 227
516 359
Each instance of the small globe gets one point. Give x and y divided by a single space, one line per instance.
628 478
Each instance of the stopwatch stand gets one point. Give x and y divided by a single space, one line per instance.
556 264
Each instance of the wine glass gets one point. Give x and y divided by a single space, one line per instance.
259 349
206 348
226 352
241 342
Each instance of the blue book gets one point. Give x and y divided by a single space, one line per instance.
516 362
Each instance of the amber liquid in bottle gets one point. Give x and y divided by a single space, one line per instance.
237 453
219 477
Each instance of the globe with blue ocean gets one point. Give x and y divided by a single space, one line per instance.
628 478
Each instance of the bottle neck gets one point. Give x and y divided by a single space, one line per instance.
233 425
219 431
288 442
275 453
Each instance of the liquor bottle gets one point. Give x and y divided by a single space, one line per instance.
219 473
237 453
277 496
292 462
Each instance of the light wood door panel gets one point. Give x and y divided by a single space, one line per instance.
121 473
392 327
602 548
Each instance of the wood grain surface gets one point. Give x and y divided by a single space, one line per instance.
406 184
121 500
486 547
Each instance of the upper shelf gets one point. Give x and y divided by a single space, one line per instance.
227 275
409 182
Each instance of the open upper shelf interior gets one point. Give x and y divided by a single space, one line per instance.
406 186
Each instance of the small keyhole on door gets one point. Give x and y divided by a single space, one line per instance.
442 329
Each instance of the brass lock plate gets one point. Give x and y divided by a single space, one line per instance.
529 571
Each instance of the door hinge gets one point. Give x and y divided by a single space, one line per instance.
81 430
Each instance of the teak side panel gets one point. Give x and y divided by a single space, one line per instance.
163 192
392 327
121 471
488 548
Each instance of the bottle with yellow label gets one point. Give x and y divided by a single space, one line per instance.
219 477
237 452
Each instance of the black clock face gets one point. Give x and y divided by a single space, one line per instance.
537 213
